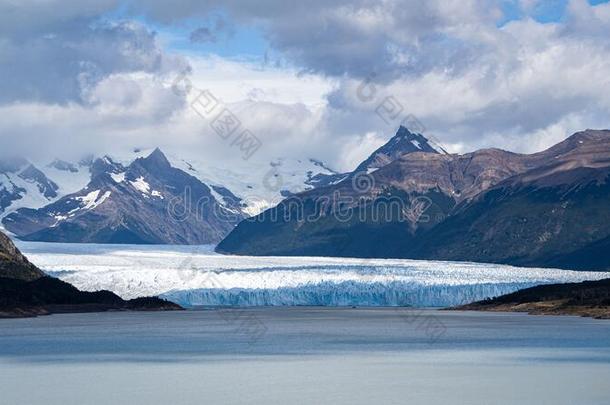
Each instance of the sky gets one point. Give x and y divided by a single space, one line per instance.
331 80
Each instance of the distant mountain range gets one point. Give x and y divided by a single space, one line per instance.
408 199
148 200
131 205
545 209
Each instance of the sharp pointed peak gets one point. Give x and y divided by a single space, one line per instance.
157 153
157 157
406 132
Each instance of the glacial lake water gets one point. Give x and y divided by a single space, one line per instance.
304 355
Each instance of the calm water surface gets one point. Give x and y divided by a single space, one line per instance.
304 355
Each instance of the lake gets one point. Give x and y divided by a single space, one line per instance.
304 355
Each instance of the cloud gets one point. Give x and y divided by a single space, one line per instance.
212 31
355 38
474 83
473 77
51 50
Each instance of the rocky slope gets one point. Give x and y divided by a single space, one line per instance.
543 209
26 291
48 295
13 264
554 215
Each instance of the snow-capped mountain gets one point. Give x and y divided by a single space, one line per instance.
27 185
260 185
148 201
103 199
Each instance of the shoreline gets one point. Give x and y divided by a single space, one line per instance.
586 299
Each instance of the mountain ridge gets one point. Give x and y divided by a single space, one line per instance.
459 191
130 205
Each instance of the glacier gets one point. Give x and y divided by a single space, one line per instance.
346 293
196 276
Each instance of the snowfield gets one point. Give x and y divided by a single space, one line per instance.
195 275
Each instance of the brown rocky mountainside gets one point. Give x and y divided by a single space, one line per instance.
542 209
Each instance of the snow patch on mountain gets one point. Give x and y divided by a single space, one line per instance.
33 185
141 185
118 177
260 185
23 193
91 200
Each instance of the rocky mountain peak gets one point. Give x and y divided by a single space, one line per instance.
46 186
406 141
156 159
105 165
403 142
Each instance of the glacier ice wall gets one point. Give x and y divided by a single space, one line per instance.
348 293
196 275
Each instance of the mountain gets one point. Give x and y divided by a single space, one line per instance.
260 184
554 215
543 209
26 291
26 185
92 201
589 298
374 213
147 202
13 264
18 178
402 143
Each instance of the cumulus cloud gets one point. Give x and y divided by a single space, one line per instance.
51 50
472 76
523 84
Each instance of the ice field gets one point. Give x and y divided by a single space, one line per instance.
195 275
